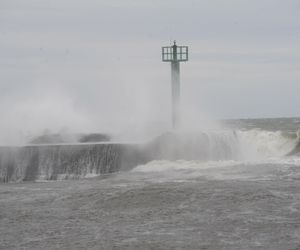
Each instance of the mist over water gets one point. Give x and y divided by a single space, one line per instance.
43 111
56 110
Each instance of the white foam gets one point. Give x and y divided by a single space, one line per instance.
190 171
163 166
258 144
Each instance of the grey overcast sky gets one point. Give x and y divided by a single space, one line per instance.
93 65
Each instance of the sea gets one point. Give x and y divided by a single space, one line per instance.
242 192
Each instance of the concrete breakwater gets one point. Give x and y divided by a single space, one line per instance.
65 161
62 161
53 162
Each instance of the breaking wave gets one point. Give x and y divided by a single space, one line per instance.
265 144
224 145
224 154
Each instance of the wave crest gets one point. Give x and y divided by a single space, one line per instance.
223 145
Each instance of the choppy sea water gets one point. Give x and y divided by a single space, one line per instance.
249 201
